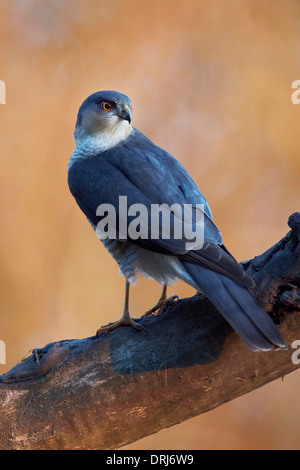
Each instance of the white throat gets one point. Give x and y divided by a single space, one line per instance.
90 144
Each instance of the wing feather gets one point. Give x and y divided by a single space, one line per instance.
146 174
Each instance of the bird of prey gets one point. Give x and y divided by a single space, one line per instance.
113 159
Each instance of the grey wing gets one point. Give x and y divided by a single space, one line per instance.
172 184
147 175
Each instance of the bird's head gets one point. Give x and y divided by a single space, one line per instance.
104 116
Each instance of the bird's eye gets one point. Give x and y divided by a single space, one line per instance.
107 106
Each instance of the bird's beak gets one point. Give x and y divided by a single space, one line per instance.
125 113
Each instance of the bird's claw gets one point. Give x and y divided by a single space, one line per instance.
159 307
114 325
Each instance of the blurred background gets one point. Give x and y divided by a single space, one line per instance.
210 82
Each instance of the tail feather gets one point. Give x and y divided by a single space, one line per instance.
238 307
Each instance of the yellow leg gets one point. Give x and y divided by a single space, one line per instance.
124 320
158 308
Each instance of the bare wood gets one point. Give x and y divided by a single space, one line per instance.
103 393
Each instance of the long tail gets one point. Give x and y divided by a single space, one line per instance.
238 307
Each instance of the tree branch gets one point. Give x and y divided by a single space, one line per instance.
103 393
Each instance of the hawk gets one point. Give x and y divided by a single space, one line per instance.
112 159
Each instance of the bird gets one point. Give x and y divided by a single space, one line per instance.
113 159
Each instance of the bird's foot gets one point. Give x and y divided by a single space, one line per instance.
159 307
125 320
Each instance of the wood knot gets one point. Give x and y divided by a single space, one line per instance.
294 222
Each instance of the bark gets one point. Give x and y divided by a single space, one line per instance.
103 393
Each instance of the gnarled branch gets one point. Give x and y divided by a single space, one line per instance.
103 393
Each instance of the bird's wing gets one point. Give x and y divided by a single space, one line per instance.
148 175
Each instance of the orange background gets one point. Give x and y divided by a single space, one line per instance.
210 82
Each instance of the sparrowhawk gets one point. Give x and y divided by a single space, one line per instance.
113 159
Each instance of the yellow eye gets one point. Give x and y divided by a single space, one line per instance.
107 106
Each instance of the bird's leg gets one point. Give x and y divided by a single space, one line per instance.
158 308
124 320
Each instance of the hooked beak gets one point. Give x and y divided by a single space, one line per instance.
125 114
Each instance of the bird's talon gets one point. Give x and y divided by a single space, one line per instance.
173 298
160 306
114 325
